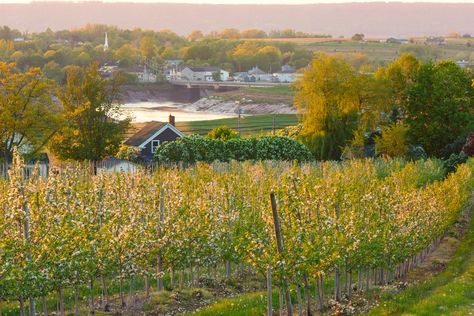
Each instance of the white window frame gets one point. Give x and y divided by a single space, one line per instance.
155 143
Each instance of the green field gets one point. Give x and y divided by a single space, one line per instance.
249 125
386 52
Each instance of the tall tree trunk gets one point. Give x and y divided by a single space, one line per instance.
269 292
147 287
76 299
61 302
45 306
172 278
227 269
105 295
321 292
300 300
308 295
130 292
122 298
181 279
91 288
280 301
22 306
350 283
337 282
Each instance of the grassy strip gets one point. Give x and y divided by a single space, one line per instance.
276 91
249 125
246 304
449 293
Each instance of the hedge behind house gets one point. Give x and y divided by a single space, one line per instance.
194 148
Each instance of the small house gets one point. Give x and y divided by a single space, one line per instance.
257 74
203 74
153 135
286 74
462 63
435 41
142 74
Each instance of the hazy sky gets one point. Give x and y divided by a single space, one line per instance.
249 1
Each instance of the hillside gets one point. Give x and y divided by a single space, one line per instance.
372 19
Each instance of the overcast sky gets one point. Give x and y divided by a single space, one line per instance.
250 1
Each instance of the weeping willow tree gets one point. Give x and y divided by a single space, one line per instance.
335 100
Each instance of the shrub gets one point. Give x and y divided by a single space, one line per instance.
453 148
128 153
453 161
416 152
192 149
468 147
393 142
242 149
281 148
223 133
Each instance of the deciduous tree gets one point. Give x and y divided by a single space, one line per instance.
28 115
94 126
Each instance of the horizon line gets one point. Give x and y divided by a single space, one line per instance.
241 2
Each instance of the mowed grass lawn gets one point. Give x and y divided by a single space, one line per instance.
449 293
249 125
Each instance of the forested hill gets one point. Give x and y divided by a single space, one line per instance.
372 19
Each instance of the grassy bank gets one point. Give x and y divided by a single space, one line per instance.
249 125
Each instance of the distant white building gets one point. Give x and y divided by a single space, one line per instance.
142 74
202 74
257 74
462 63
286 74
393 40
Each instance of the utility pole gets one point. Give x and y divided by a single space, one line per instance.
238 116
273 126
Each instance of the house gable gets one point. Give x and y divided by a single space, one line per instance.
156 135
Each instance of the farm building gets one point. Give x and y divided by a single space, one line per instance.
152 135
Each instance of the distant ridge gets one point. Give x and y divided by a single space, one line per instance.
372 19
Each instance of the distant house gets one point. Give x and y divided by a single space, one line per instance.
393 40
241 76
286 74
152 135
142 73
202 74
257 74
437 41
462 63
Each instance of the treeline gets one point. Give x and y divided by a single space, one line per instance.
81 120
53 52
410 108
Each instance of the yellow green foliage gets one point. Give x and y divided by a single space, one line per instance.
393 142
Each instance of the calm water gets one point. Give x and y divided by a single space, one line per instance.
159 111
